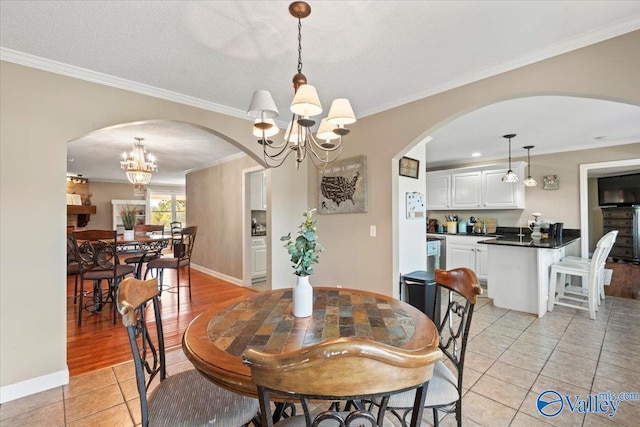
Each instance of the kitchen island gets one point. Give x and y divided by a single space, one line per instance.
518 270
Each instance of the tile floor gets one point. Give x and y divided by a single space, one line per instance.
511 358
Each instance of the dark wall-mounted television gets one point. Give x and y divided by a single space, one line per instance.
623 190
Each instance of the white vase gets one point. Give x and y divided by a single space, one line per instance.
303 297
129 234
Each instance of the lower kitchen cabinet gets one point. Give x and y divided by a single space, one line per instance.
465 251
258 258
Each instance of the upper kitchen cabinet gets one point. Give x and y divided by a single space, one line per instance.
438 191
466 190
475 188
258 188
501 195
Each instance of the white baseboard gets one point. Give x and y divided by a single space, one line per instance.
34 385
214 273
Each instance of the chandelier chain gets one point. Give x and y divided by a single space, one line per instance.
299 44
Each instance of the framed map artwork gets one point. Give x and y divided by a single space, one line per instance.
342 186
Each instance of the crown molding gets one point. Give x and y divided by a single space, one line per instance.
56 67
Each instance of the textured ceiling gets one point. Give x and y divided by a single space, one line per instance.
379 54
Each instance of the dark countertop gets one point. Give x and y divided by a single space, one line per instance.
527 242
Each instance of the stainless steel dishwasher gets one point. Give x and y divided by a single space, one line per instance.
436 251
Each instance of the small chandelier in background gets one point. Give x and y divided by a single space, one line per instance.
326 146
137 166
510 176
529 182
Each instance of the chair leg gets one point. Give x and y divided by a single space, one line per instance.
75 289
593 293
81 303
435 418
552 289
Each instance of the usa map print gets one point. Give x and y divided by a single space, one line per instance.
342 186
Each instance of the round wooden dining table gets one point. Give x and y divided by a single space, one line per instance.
215 340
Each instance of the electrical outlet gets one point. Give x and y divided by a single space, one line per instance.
530 223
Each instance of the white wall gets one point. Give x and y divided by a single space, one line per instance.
412 252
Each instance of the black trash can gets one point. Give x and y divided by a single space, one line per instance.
420 287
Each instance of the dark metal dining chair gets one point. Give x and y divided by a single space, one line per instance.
73 268
183 399
350 370
97 257
145 256
445 388
180 260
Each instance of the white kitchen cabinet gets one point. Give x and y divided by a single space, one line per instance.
475 188
438 191
465 251
500 195
258 258
257 184
466 190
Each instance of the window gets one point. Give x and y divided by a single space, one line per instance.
166 208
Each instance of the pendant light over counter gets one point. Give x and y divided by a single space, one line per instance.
510 176
529 182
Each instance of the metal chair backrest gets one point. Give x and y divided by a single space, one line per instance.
147 343
176 229
463 289
184 249
345 369
96 250
71 249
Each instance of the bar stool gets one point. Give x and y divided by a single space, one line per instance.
608 241
590 274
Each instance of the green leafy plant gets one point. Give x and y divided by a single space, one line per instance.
128 215
305 248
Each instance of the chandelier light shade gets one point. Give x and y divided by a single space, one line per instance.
529 182
510 176
137 164
323 148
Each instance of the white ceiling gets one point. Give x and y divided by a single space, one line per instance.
379 54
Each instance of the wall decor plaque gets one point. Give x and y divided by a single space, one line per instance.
342 186
551 182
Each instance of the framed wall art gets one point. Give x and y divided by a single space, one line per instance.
409 167
342 186
550 182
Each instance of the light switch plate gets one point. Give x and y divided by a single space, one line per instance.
372 230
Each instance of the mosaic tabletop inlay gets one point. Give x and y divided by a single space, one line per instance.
266 322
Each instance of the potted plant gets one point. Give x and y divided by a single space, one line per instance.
304 252
128 215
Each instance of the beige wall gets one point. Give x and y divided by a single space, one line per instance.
214 197
40 112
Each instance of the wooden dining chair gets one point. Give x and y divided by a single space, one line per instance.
342 369
145 256
97 257
183 399
445 388
180 260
